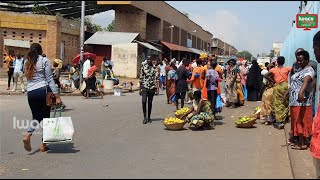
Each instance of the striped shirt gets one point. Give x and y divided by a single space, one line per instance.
43 76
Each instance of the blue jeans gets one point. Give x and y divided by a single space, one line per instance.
103 74
38 105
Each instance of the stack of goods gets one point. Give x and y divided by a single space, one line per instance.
179 113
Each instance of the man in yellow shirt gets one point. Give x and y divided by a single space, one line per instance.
9 66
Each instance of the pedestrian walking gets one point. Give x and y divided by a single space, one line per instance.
74 76
148 77
18 72
57 65
300 101
9 66
170 82
162 67
231 84
254 82
91 81
40 81
181 83
212 78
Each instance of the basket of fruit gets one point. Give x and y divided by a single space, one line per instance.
174 123
245 122
179 113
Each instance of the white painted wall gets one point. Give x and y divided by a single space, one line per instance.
125 58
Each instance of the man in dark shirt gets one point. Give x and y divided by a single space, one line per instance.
181 83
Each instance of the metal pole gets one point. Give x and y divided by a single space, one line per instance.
82 37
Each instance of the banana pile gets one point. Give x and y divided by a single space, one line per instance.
243 120
181 111
172 120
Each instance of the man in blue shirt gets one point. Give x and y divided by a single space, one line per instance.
18 72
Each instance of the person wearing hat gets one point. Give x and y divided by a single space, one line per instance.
57 65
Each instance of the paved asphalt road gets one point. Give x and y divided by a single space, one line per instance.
112 142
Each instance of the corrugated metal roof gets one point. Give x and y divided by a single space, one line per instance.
111 38
197 51
147 45
17 43
175 47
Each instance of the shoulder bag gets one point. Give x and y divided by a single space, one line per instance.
50 98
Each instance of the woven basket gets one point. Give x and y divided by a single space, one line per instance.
247 124
175 127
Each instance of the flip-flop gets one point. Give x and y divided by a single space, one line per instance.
299 147
27 145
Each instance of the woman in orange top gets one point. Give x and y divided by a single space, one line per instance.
197 76
280 91
9 66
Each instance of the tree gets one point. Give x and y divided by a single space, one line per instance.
110 27
245 54
271 53
37 9
186 14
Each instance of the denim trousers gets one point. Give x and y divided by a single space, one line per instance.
38 105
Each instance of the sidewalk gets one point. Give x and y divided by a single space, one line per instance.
301 160
4 91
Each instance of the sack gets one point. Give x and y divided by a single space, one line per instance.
57 130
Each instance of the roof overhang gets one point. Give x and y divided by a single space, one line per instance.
111 38
147 45
175 47
16 43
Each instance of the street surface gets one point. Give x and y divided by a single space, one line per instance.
112 142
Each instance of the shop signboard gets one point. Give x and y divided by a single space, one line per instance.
307 21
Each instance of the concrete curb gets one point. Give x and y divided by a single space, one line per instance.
286 131
109 92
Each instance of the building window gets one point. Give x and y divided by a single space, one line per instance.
22 33
22 36
31 41
39 41
31 34
40 35
39 38
13 32
4 31
31 37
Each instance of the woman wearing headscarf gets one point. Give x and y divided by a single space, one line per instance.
231 84
280 91
170 82
254 82
243 78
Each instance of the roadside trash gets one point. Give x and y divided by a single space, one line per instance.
25 169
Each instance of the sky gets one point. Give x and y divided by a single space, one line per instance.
247 25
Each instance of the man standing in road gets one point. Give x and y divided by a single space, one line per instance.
148 77
181 83
315 140
18 74
86 66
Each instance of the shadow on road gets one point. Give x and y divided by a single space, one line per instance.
66 110
157 119
218 123
62 148
219 117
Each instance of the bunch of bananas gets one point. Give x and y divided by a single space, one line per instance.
243 120
172 120
181 111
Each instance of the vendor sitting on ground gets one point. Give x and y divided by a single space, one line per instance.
200 115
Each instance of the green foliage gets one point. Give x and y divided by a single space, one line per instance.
110 27
37 9
245 54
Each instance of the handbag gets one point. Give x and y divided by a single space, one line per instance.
57 129
50 98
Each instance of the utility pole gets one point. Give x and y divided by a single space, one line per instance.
82 37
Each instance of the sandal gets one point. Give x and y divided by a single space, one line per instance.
27 145
296 147
44 148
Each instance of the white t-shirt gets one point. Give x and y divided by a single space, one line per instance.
162 70
86 66
264 72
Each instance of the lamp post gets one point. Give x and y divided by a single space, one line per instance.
82 37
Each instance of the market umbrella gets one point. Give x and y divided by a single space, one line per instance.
86 54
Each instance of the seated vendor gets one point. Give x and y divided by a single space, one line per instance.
200 115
